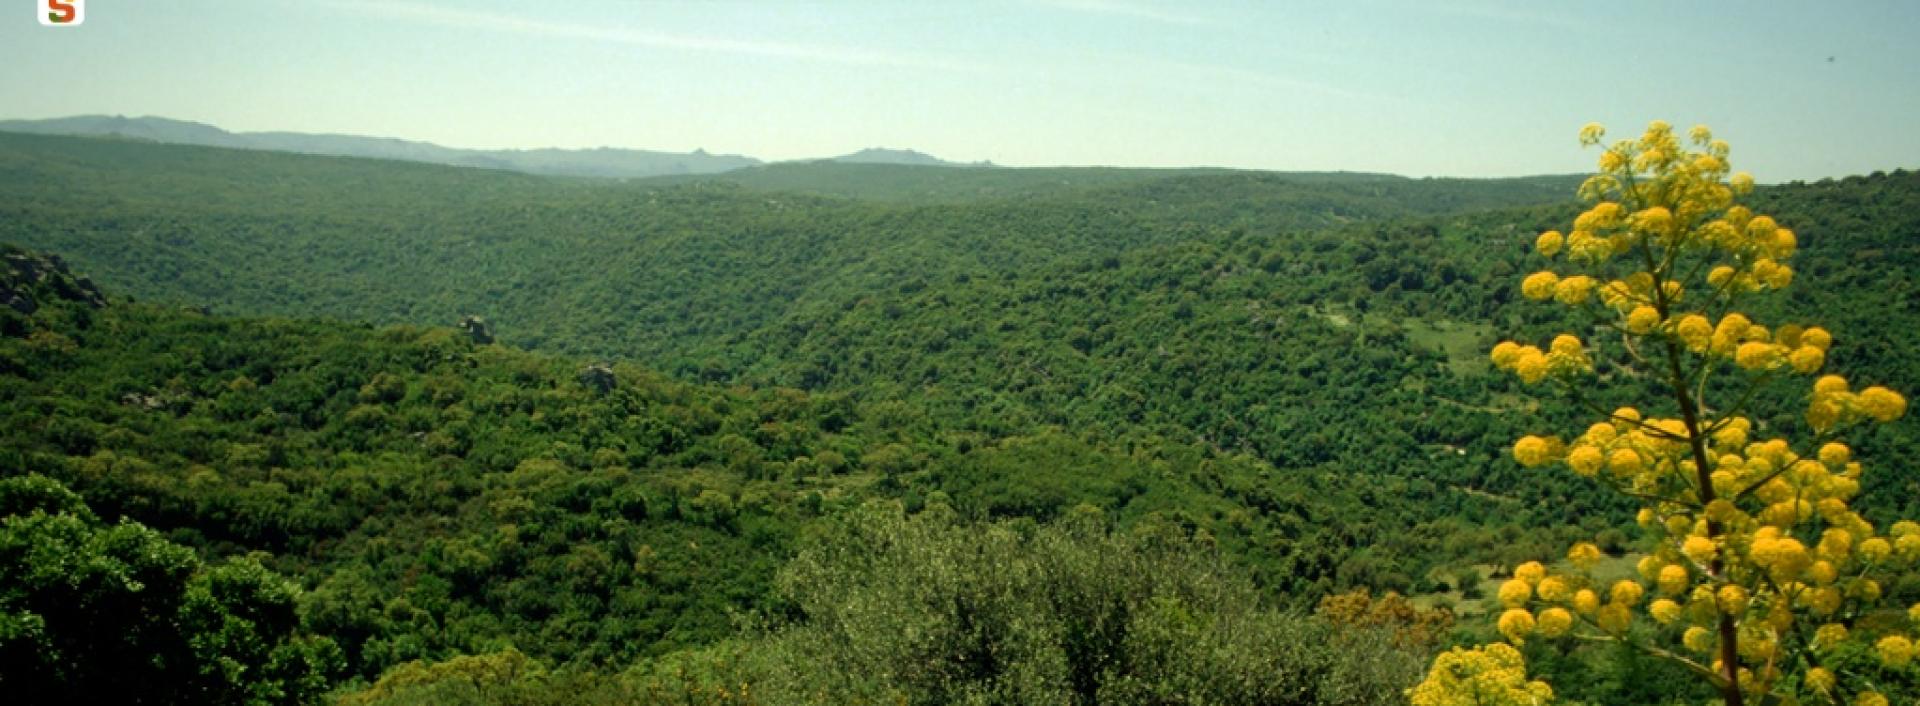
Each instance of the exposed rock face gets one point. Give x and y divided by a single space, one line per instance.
19 302
598 377
29 280
477 329
135 399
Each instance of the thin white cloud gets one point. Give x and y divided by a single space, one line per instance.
1520 15
1132 10
1217 74
511 24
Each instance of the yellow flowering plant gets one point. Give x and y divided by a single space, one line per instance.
1761 575
1489 675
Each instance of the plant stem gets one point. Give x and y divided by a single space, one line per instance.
1690 415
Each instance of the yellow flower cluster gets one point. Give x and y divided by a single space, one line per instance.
1584 555
1869 698
1896 651
1755 537
1550 605
1656 199
1833 404
1769 578
1535 451
1647 455
1490 675
1565 357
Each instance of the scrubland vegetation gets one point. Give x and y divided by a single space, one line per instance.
889 434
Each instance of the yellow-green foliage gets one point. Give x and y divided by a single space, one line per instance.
924 609
1490 675
467 677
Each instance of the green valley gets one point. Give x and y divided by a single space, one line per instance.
745 431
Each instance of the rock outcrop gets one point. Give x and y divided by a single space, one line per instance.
477 329
598 377
30 280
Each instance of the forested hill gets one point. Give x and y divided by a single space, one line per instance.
1240 336
925 184
1231 310
1284 369
433 495
658 274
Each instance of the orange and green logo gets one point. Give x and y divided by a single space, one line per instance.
62 13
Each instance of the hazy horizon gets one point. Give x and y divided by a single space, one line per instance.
1475 90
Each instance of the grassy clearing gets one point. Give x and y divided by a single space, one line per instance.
1465 344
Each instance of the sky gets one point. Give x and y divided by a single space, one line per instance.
1417 87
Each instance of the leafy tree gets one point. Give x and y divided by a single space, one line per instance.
921 609
499 677
97 613
1408 624
1764 582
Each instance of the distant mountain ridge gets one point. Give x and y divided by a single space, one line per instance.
598 162
609 162
883 155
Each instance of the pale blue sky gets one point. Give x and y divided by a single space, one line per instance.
1411 87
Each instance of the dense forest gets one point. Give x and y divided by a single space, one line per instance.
670 274
748 438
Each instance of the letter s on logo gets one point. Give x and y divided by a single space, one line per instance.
60 11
